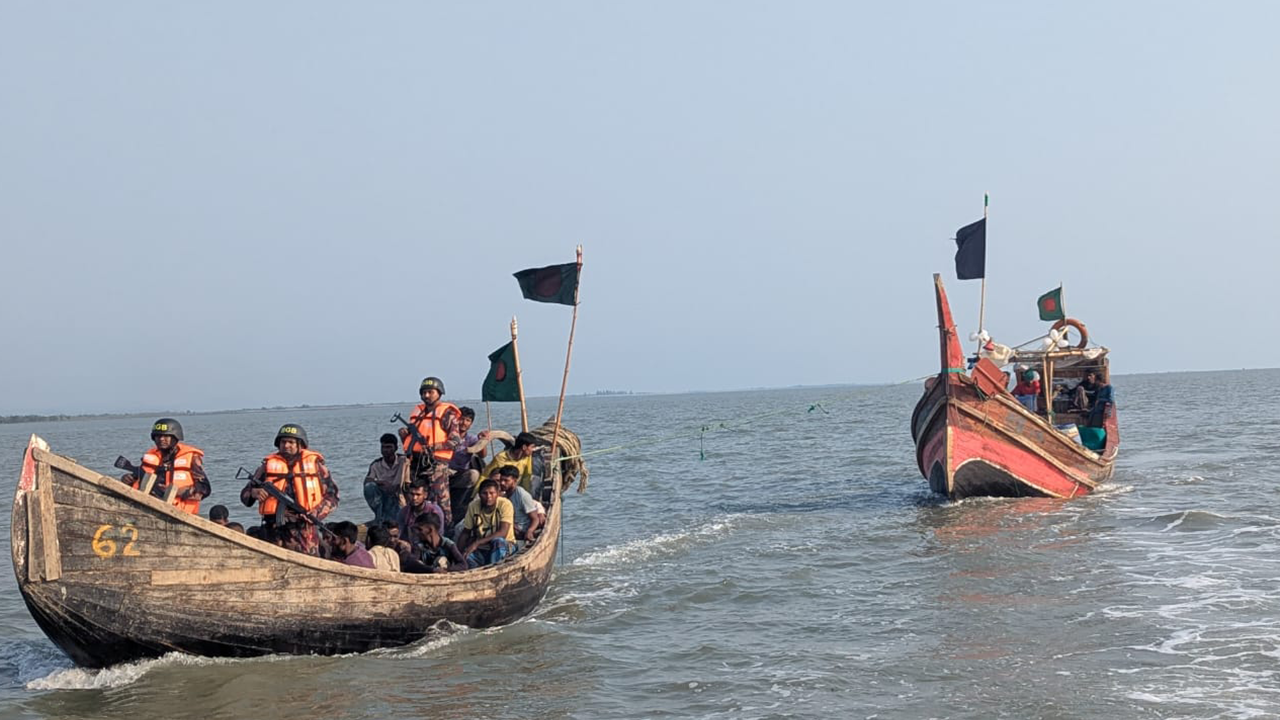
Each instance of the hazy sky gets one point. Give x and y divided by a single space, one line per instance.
220 205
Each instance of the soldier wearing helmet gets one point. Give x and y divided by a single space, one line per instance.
175 464
299 472
431 448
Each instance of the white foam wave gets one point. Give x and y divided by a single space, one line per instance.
659 545
442 635
126 673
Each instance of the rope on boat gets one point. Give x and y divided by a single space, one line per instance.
700 432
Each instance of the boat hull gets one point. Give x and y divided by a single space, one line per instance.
969 445
112 575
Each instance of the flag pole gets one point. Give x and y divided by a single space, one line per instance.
488 417
982 306
564 383
515 355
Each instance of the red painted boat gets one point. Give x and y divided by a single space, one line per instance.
974 438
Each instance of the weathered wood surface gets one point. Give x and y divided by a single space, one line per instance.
111 575
973 443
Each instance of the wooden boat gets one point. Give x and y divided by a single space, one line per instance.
973 437
112 574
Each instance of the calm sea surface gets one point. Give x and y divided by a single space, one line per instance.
800 570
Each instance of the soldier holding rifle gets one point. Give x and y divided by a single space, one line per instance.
429 436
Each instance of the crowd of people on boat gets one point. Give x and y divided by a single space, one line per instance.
437 504
1092 399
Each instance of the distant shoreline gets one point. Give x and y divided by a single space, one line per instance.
63 417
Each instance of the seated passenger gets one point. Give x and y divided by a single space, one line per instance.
1084 393
436 553
219 515
380 549
174 464
382 481
1027 391
529 514
417 507
345 547
235 526
519 454
488 531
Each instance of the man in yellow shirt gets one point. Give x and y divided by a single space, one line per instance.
520 455
488 531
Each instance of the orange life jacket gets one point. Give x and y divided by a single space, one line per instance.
431 425
177 473
304 473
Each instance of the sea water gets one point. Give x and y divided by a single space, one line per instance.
781 564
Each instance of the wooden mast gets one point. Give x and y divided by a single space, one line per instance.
564 382
515 355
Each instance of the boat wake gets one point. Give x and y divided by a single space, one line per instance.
76 678
443 634
658 546
48 669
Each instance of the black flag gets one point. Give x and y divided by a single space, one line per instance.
971 251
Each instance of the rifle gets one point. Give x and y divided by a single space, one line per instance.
417 435
148 480
283 502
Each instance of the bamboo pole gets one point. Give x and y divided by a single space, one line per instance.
564 382
488 417
515 355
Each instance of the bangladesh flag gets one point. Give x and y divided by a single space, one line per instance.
1050 305
551 284
500 384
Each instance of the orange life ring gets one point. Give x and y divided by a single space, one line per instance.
1079 326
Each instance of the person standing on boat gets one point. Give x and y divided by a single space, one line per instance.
468 459
1103 403
436 422
382 484
174 463
299 472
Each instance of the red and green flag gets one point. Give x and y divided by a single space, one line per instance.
1050 305
551 284
500 384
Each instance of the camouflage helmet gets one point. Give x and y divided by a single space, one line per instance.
167 426
292 430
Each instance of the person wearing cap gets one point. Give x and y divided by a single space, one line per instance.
299 472
176 465
1027 391
436 422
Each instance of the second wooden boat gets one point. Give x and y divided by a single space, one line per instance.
973 438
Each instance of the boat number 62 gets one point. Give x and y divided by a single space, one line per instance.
104 541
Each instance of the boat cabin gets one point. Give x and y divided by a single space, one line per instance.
1060 372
